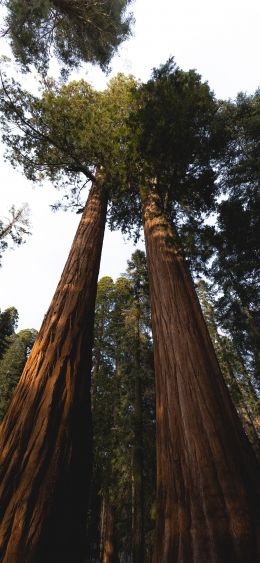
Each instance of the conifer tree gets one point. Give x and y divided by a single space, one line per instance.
8 324
199 435
75 32
55 385
237 378
47 427
163 168
236 245
12 364
14 228
123 410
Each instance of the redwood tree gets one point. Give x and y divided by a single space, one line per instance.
207 496
51 440
207 474
46 433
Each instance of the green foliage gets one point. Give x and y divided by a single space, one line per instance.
169 134
235 274
237 377
174 124
12 364
241 162
227 251
14 228
235 242
123 335
70 132
8 324
174 140
162 132
75 32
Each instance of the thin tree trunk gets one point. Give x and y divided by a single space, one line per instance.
110 554
138 485
46 434
254 334
138 512
206 470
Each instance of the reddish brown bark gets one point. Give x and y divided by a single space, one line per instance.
109 541
46 434
206 470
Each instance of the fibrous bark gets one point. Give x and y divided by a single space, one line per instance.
46 434
206 471
110 554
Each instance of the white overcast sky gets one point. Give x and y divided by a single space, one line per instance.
220 40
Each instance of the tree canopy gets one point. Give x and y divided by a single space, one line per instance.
8 324
123 407
233 242
14 228
75 32
12 364
74 129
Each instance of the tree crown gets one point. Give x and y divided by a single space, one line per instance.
75 32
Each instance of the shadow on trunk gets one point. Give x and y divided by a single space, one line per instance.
46 433
207 474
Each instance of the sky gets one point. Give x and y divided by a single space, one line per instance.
220 40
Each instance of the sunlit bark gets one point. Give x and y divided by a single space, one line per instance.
46 434
110 554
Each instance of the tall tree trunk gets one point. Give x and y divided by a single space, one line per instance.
46 434
206 470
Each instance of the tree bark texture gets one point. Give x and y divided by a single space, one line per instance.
110 554
207 474
46 434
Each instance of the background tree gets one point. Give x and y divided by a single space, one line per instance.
82 31
123 411
8 324
14 228
235 269
237 378
12 364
